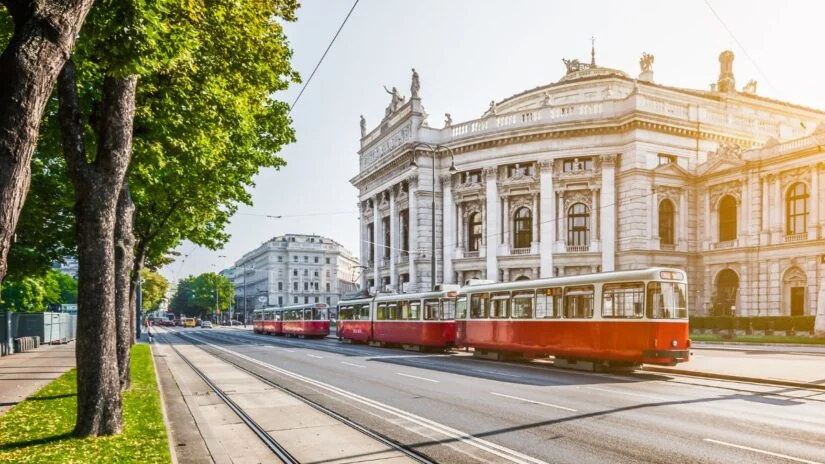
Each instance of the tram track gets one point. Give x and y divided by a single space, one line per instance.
273 445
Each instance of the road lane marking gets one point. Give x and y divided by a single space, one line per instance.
455 434
417 377
549 405
619 392
355 365
756 450
291 351
496 373
315 356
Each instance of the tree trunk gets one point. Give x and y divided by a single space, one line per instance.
124 251
137 268
44 36
97 186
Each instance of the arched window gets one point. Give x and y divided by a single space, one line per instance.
521 277
474 232
796 209
727 288
578 225
666 228
727 219
523 222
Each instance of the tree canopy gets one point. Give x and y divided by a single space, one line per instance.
153 289
39 292
196 296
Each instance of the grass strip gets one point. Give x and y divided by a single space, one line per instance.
38 430
773 339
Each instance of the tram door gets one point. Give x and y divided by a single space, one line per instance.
797 301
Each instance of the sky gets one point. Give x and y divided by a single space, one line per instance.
469 52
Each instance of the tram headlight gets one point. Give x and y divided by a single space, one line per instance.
673 343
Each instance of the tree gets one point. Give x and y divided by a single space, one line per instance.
153 289
44 34
196 296
26 295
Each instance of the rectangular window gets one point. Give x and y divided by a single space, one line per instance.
472 177
295 272
306 300
295 299
306 259
623 300
666 300
365 312
499 305
327 260
280 301
522 304
666 159
385 227
328 300
306 286
307 314
315 273
371 241
548 303
316 260
316 286
295 258
578 302
280 286
461 308
295 286
381 312
316 299
432 310
327 287
306 272
280 259
478 305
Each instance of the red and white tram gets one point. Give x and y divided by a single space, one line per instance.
416 320
622 318
308 320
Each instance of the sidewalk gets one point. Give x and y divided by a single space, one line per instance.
22 374
789 369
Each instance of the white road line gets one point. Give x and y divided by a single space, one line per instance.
291 351
455 434
354 365
417 377
756 450
314 356
496 373
639 395
534 402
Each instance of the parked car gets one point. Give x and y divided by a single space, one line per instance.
234 322
206 325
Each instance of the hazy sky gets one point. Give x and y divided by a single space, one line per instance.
469 52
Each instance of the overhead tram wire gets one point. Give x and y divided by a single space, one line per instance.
292 106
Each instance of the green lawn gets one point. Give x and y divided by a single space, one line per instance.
39 429
758 339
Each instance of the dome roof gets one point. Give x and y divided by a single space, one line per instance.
596 71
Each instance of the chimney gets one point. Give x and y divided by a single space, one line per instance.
726 82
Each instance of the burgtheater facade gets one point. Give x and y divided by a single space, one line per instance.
597 172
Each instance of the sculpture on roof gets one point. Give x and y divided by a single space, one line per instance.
415 86
750 87
547 99
395 103
493 109
727 150
572 65
448 120
363 126
646 62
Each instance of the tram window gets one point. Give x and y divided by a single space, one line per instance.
623 300
432 310
393 314
499 305
404 310
548 303
415 310
365 312
461 308
448 309
522 304
344 313
307 314
578 302
478 305
256 316
381 313
666 300
320 314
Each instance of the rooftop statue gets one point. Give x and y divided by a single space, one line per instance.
363 126
646 62
448 120
415 86
395 103
572 65
750 87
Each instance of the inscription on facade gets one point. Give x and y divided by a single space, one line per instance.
392 142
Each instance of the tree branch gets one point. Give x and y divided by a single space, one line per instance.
71 122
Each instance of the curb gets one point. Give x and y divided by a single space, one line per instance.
702 344
712 375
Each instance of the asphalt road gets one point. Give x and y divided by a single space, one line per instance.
455 408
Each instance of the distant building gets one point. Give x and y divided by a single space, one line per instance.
68 266
294 269
601 171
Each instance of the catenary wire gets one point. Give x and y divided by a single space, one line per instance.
291 107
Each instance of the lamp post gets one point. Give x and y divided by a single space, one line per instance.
413 165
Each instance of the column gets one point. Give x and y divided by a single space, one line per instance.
683 220
393 240
364 251
492 212
654 218
548 215
813 224
744 216
560 222
608 213
534 245
448 234
377 239
413 230
506 240
460 226
777 198
765 209
708 237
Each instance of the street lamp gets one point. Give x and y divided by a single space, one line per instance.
413 165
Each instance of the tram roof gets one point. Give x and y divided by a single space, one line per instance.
584 279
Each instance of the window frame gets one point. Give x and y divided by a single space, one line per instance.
522 296
523 228
578 235
497 300
793 200
609 289
728 225
585 299
557 302
667 227
478 305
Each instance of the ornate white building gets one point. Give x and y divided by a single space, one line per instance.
599 172
294 269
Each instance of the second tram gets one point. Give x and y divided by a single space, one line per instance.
308 320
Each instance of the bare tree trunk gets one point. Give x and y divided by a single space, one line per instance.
97 186
124 311
44 36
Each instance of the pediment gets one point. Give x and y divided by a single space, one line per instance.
672 169
720 165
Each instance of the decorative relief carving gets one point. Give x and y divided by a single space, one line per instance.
732 188
571 197
609 159
668 191
794 175
545 165
726 150
521 201
491 172
471 207
393 141
446 180
646 62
